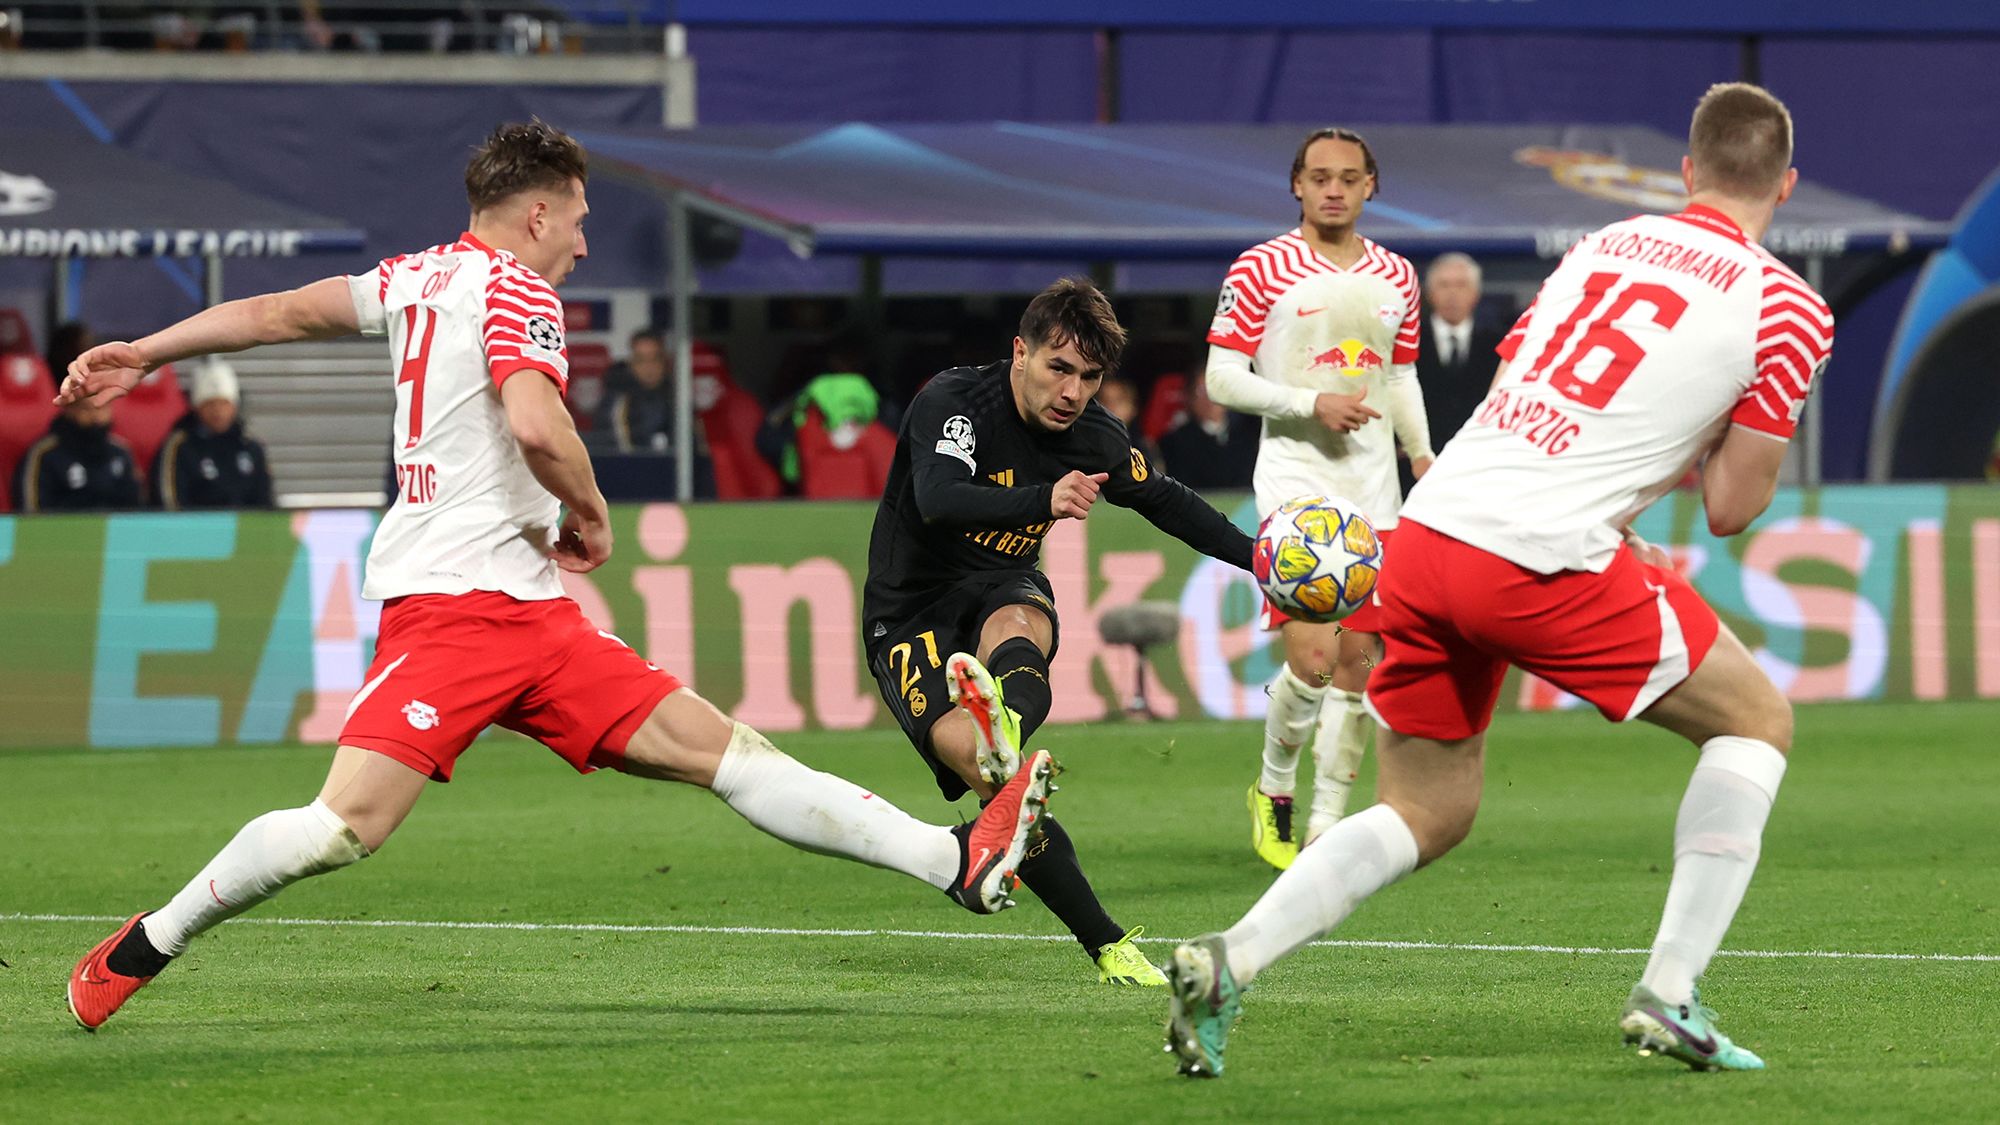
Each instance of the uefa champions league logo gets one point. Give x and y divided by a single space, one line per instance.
543 333
24 195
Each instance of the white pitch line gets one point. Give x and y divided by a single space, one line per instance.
954 935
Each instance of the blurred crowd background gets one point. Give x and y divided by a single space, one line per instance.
801 367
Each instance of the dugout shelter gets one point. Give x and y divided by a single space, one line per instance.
1189 193
69 203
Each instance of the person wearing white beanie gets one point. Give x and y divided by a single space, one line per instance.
208 461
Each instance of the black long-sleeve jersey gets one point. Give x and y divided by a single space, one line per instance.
970 487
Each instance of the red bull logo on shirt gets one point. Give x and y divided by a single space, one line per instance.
1351 359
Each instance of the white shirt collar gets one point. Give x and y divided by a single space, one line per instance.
1459 334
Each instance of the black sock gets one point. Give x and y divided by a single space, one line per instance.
1051 870
135 955
1022 672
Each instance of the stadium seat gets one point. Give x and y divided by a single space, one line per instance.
15 336
587 364
144 417
829 471
27 406
729 418
1166 407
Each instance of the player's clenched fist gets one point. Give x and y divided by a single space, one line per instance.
582 545
1075 493
102 374
1341 413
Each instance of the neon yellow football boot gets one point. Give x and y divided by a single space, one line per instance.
1122 963
1271 829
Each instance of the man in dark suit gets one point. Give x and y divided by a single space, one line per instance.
1455 356
1215 448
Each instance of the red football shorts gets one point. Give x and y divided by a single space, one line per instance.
1453 617
448 666
1367 619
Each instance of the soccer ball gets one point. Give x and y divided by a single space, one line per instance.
1317 558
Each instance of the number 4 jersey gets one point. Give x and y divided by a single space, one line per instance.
1651 338
468 515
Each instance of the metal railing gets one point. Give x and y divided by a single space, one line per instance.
504 27
324 412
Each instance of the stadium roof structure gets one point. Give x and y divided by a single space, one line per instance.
63 198
1132 192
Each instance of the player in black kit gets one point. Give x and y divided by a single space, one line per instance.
955 610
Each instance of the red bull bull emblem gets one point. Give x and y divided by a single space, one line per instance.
1351 359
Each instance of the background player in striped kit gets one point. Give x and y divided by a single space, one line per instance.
1316 331
1661 342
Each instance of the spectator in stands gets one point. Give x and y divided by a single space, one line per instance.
1214 448
79 466
207 460
829 441
1120 396
637 414
1456 357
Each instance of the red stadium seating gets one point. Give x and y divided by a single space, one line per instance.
729 418
858 472
587 364
15 336
1166 407
144 417
27 406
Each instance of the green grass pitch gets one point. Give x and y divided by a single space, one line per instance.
1882 842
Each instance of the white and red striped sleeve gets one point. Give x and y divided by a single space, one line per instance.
1407 335
1511 342
523 325
1794 338
370 294
1247 291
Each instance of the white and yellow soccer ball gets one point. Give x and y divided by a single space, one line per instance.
1317 558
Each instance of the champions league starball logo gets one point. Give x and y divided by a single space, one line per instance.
1605 176
24 195
543 333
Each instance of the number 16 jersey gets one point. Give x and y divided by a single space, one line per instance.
1651 338
468 514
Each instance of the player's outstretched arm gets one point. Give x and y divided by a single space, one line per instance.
1174 508
549 443
320 311
1739 478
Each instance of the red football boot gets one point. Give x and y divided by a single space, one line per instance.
991 847
94 990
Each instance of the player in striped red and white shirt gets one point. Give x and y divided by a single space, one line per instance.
1659 343
1316 331
476 630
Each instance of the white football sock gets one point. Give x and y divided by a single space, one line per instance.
1717 837
1357 857
823 813
267 855
1288 723
1344 726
